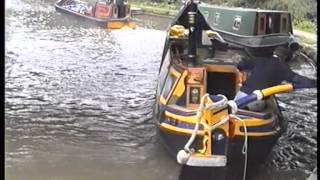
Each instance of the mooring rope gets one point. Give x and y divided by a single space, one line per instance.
209 105
310 61
245 145
195 130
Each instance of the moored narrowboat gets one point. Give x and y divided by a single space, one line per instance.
195 114
112 14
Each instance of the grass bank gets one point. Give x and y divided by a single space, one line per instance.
306 26
156 8
303 40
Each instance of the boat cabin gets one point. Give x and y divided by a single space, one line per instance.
247 22
249 27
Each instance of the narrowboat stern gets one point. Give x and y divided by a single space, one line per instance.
195 114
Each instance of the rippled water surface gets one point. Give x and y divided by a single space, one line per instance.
78 101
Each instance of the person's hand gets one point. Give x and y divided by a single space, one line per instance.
300 82
240 78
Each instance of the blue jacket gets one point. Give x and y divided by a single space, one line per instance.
267 72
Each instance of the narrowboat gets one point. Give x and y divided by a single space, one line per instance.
196 117
111 14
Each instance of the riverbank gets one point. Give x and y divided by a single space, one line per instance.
308 42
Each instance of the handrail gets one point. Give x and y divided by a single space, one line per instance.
262 94
277 89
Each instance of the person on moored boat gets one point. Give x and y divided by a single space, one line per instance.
121 7
266 71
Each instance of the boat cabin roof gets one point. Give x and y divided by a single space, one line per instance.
242 9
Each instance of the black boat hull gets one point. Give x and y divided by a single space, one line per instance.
258 147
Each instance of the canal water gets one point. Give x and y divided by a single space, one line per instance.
78 102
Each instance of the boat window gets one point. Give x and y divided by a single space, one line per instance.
236 23
216 18
269 24
261 24
170 80
270 21
164 71
284 23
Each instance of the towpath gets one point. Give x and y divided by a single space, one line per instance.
307 35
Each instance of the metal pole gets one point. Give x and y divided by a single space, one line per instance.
192 47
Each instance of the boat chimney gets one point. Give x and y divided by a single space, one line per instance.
192 46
